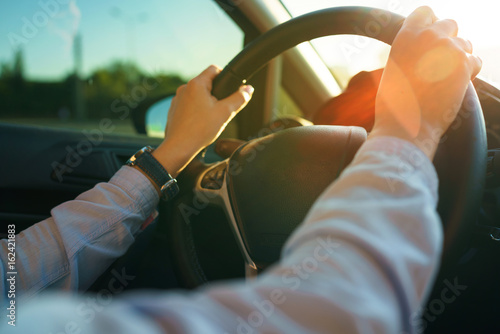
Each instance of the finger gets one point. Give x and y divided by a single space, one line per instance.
420 17
449 27
475 64
173 104
239 99
171 111
180 89
208 75
464 44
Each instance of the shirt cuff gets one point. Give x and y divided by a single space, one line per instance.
408 158
137 186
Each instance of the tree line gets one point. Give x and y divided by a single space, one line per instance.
95 93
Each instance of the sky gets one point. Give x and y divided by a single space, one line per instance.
477 19
166 36
185 36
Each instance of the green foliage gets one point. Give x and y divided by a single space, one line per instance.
117 84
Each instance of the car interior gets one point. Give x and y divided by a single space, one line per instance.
244 195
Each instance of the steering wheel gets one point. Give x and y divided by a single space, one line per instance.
269 184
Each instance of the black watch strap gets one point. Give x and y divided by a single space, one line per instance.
151 167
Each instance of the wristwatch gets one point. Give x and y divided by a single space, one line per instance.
144 160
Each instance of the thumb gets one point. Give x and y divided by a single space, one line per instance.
420 18
239 99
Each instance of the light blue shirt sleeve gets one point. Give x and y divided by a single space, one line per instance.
363 261
70 249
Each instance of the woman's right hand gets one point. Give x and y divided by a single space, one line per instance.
424 81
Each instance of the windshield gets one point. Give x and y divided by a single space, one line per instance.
348 55
71 64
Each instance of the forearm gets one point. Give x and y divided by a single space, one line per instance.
363 261
82 237
365 257
380 228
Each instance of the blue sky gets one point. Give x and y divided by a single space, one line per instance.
185 36
169 36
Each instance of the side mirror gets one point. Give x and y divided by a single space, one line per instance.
150 118
156 117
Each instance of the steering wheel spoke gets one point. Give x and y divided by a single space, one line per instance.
211 187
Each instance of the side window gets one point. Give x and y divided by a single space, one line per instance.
74 64
286 106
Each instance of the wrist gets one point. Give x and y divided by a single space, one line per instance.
427 141
174 157
163 182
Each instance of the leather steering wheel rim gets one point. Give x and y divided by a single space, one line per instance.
461 157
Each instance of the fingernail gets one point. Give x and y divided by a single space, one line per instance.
249 89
